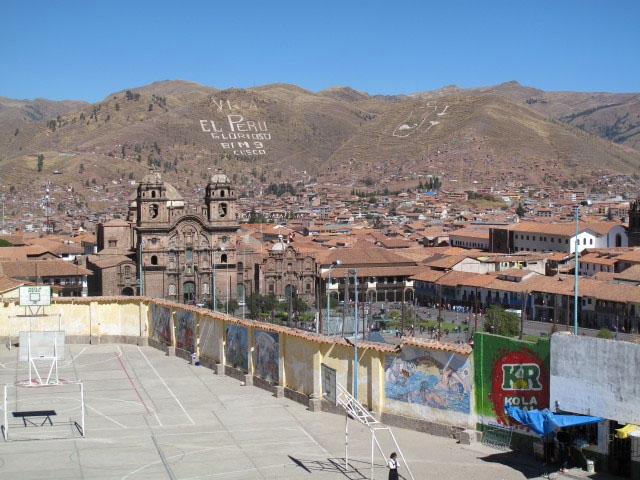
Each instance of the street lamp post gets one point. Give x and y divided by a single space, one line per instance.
337 262
355 336
213 281
575 269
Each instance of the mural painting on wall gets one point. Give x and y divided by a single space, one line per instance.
237 347
510 371
161 323
431 378
185 330
266 350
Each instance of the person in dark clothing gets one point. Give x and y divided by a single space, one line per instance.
564 440
393 467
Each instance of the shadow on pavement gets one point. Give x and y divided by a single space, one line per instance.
520 462
355 470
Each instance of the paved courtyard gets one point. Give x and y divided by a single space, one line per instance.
149 416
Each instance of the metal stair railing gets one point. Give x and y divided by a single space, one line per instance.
357 411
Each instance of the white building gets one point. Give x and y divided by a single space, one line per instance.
560 237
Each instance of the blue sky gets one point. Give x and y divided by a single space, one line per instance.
86 50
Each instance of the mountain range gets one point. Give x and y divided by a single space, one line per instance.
475 135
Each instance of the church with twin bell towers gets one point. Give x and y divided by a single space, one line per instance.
180 253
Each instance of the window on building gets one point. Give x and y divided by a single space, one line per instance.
153 210
154 260
113 243
189 255
127 271
591 241
153 194
205 288
223 258
271 288
308 287
172 289
154 240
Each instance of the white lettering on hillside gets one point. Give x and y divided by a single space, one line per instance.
238 134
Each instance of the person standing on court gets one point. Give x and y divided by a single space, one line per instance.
393 467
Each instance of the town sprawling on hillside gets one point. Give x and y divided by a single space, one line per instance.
478 248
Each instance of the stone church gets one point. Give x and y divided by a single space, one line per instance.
180 253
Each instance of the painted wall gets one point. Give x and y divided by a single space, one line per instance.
237 347
161 324
594 376
210 338
266 354
509 370
185 330
429 384
298 365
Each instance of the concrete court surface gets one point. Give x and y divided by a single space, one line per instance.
149 416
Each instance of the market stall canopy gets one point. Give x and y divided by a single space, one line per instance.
543 422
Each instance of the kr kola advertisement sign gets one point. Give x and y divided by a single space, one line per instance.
518 378
512 372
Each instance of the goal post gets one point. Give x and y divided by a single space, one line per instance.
38 348
57 407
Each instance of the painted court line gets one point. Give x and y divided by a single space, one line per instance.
167 387
132 384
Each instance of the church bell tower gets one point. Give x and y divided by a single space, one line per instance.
220 200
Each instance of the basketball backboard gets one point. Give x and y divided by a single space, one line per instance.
35 296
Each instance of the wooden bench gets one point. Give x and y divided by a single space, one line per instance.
26 416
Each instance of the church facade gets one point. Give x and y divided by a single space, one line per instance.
179 254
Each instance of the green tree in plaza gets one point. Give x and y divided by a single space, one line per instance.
299 305
605 333
334 302
500 322
262 304
231 306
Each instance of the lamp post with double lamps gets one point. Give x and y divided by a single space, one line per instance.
213 280
584 203
333 264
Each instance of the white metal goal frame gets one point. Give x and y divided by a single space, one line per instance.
31 385
43 347
30 317
358 412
